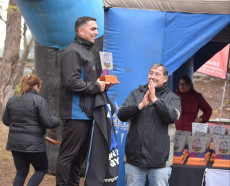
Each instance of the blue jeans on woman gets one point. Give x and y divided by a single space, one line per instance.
136 176
22 161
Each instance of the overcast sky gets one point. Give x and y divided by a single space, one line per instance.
4 4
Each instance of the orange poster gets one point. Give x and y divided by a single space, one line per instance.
217 65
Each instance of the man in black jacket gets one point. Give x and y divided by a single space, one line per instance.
79 85
150 110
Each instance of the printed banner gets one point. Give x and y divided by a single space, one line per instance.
103 162
217 65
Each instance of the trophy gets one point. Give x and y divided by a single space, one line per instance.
223 148
107 68
221 145
51 137
196 146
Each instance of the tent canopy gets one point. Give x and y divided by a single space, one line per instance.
189 6
140 33
171 38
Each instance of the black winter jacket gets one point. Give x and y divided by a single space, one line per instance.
27 118
147 144
78 81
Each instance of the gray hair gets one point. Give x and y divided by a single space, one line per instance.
165 70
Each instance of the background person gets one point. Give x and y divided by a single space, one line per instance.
79 85
150 109
27 116
191 102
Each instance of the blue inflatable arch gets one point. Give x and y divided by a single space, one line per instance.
51 23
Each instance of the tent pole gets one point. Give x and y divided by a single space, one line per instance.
225 82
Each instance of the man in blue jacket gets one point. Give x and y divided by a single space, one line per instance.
79 85
150 109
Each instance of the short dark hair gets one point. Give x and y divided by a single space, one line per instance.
165 70
82 20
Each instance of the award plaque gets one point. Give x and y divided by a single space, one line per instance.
222 149
197 147
107 68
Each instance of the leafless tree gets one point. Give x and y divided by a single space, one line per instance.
11 66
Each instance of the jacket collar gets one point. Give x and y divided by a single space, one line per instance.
159 90
85 43
190 91
33 91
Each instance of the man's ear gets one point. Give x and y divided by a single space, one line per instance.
165 79
80 31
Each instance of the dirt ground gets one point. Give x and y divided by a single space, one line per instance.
210 87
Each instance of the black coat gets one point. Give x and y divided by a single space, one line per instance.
148 143
104 145
28 117
78 81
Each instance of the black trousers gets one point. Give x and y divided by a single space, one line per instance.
22 161
75 143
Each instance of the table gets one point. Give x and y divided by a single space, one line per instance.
188 175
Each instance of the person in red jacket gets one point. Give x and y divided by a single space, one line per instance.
191 102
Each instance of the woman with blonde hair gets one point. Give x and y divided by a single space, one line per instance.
28 116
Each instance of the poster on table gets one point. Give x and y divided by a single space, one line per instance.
179 144
217 130
207 136
184 133
215 138
197 146
222 147
199 127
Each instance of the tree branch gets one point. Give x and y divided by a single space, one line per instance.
2 19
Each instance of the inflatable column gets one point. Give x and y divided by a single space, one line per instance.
51 23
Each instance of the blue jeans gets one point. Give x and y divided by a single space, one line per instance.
136 176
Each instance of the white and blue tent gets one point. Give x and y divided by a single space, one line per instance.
140 33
